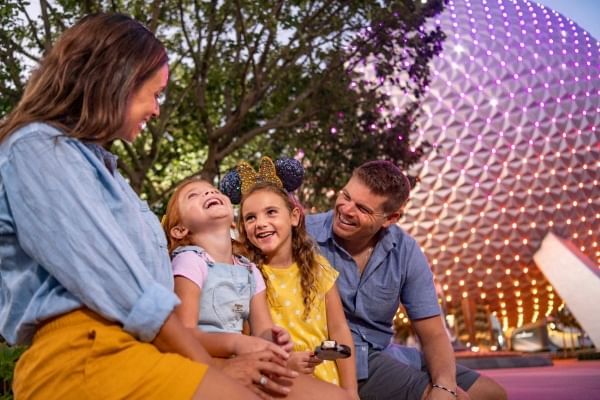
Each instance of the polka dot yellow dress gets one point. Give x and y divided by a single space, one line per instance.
287 310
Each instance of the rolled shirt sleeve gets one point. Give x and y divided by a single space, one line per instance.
89 238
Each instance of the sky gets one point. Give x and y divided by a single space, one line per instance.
585 13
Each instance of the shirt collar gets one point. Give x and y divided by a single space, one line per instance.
327 232
109 159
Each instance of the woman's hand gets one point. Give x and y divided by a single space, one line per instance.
261 372
244 344
303 361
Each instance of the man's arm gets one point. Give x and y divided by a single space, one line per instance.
438 353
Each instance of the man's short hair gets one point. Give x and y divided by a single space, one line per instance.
384 178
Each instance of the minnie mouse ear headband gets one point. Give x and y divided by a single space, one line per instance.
286 173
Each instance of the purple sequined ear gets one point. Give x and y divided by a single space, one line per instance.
231 186
291 172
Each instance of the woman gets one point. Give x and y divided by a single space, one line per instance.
84 271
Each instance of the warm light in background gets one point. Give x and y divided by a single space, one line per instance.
513 111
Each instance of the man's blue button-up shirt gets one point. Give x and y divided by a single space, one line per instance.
397 272
73 233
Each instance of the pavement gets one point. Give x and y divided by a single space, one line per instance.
565 380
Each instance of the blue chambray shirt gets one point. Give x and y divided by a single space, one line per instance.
396 272
73 233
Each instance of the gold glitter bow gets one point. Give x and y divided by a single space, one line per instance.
266 173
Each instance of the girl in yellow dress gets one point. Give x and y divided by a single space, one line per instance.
301 288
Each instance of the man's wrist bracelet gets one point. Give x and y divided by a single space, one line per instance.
452 392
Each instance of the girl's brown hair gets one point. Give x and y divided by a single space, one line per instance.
303 248
83 85
172 216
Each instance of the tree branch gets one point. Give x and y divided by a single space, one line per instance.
155 14
251 134
32 26
46 22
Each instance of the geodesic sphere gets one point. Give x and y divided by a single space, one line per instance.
513 112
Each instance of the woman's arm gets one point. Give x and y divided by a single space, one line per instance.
339 331
255 357
108 255
173 337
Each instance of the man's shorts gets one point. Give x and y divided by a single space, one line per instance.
81 356
390 378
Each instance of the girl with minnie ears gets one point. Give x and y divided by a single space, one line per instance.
301 288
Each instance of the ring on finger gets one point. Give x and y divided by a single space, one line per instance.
263 380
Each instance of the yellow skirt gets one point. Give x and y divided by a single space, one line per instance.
80 355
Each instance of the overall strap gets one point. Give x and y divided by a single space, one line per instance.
195 249
243 261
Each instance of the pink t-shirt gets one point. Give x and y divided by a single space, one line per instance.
193 267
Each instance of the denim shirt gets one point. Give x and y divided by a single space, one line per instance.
74 234
226 293
397 272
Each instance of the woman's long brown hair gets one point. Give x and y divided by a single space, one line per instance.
303 248
84 83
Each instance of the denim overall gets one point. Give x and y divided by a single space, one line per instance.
226 294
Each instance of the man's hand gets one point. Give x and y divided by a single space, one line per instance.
304 361
440 394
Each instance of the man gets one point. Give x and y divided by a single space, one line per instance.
380 267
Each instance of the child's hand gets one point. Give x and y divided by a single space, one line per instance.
282 338
252 344
303 361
